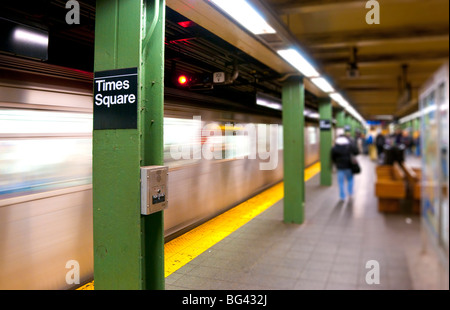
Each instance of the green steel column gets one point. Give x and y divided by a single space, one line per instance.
326 141
152 123
340 119
294 160
353 130
416 124
348 123
347 120
128 248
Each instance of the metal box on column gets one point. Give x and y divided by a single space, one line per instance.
154 191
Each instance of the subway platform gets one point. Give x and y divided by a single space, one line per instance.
330 251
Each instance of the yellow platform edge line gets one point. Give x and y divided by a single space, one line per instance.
180 251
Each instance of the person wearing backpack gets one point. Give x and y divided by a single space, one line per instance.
341 155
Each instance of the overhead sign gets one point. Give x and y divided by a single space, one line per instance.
325 124
116 99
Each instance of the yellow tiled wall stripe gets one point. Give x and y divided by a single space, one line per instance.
180 251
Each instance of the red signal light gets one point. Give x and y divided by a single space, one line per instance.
186 24
182 80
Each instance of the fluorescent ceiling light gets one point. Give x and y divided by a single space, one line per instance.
410 117
347 106
299 62
269 104
340 100
246 15
30 37
418 114
323 84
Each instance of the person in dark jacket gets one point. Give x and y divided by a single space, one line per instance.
380 140
341 156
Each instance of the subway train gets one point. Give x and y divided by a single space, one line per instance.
46 169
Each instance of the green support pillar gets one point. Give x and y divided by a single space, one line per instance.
349 124
294 160
353 131
347 121
416 124
129 247
326 141
340 119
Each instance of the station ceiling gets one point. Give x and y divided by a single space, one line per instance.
401 52
410 42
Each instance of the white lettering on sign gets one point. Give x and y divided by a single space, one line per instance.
116 99
102 85
112 100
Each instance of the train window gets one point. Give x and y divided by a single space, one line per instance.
43 150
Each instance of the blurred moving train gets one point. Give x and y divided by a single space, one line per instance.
46 171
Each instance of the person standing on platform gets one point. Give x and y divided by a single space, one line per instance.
341 154
380 140
407 141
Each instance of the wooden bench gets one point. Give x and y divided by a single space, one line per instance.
414 176
390 187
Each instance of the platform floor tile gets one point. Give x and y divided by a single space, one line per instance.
329 251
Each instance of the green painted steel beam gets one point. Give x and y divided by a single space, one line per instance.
326 141
152 140
353 126
349 123
340 119
293 97
128 247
